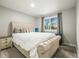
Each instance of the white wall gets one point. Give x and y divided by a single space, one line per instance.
69 26
38 23
77 13
6 16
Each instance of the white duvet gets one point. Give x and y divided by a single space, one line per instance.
30 41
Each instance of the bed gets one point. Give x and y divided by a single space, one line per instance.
35 44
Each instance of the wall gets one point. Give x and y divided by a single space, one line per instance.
38 23
7 15
77 13
69 26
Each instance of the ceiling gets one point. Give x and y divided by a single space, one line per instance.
38 7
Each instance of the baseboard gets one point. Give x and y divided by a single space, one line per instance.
71 45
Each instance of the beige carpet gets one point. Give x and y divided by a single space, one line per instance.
11 53
66 52
62 52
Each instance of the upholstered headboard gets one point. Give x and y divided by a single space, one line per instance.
21 27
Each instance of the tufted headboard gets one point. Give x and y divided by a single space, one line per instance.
21 27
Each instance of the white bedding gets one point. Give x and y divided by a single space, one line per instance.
30 41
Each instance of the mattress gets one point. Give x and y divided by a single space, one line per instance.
30 41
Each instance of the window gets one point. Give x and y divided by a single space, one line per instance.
50 24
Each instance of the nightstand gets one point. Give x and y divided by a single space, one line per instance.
5 42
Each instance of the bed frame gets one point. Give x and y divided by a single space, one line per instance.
45 49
